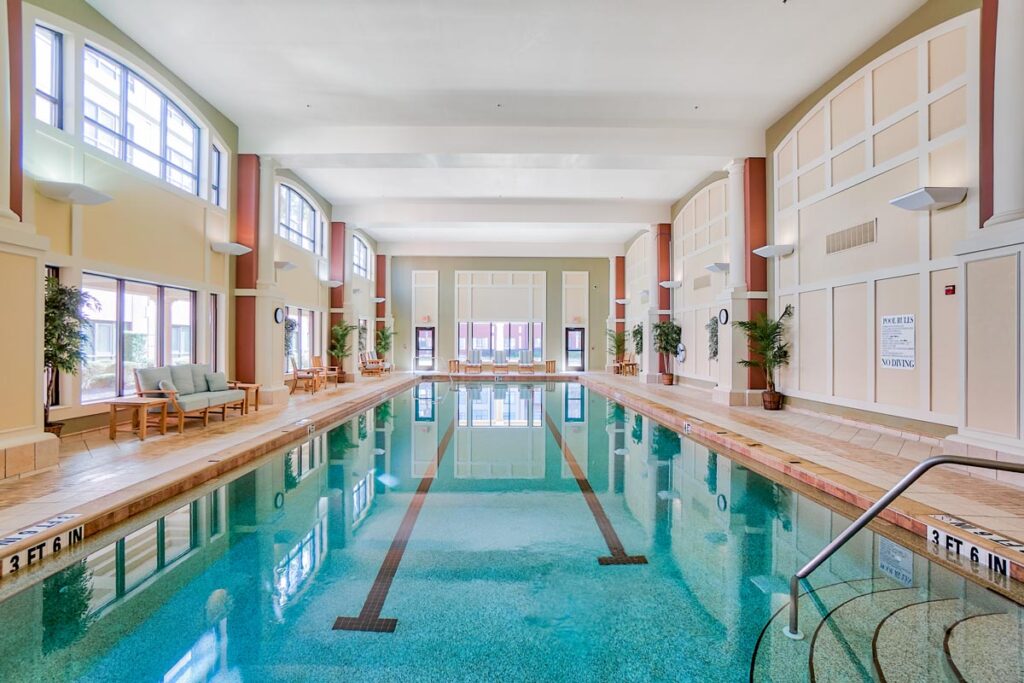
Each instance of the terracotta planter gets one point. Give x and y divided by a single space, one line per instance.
668 379
771 400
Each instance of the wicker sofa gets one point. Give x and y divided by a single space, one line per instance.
188 390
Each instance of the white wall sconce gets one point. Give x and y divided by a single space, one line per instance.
285 265
379 299
230 248
772 250
72 193
717 267
622 302
671 284
929 198
333 283
620 451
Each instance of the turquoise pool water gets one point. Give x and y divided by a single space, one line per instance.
487 569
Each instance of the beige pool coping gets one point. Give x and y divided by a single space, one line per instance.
855 465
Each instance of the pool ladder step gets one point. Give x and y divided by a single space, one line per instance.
874 630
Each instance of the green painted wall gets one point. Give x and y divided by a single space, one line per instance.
554 342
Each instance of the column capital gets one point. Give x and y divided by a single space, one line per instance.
735 166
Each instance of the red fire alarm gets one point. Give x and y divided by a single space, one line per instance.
950 290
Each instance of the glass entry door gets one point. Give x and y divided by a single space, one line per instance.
574 342
424 348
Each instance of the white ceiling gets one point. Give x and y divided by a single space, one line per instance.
525 100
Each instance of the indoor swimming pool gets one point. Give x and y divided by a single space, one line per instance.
495 532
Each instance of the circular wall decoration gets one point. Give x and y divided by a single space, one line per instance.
279 500
278 315
723 317
681 352
722 502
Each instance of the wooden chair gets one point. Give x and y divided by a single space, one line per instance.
368 366
385 366
309 377
525 368
326 371
629 365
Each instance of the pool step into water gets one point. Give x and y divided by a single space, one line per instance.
876 630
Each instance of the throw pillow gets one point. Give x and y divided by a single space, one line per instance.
216 381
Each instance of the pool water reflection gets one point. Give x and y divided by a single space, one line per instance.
499 578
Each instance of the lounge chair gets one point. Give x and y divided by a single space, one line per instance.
326 371
309 377
369 366
386 367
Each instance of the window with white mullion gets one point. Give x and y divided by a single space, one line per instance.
296 219
49 76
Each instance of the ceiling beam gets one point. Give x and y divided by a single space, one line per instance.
396 213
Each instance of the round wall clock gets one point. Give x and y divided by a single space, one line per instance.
278 315
681 352
723 317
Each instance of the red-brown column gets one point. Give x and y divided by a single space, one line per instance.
755 207
337 273
986 135
620 293
246 266
664 246
382 288
16 82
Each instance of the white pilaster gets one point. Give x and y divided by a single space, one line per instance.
1008 167
736 226
269 340
650 372
5 120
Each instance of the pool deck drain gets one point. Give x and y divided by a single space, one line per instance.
618 552
369 617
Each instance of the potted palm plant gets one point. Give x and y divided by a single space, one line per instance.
64 339
384 338
339 347
666 335
769 351
617 345
637 333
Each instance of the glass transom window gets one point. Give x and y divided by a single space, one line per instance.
360 257
126 116
49 98
297 221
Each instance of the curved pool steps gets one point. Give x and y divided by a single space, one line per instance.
907 644
840 649
778 658
986 647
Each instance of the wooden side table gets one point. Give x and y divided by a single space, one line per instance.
549 367
139 406
246 386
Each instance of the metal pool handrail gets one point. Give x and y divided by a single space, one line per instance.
793 630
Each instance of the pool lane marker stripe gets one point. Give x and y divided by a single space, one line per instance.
618 552
369 618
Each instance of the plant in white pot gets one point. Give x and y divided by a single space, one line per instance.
64 338
769 351
666 336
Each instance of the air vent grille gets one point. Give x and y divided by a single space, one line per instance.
702 282
849 238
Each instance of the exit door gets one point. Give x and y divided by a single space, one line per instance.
575 338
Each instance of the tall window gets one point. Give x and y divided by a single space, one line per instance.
216 175
360 257
49 78
127 117
135 325
501 341
306 339
297 221
212 332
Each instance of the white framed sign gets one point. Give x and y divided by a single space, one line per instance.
897 342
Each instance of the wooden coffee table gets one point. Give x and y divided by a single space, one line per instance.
139 406
246 386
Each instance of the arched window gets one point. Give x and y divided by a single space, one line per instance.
297 220
127 116
360 257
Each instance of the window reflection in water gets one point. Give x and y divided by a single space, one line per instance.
513 405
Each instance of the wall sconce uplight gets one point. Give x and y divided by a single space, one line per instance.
333 283
230 248
72 193
771 250
622 302
379 299
285 265
620 451
671 284
928 198
717 267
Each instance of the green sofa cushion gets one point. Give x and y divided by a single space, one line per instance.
150 378
182 376
199 371
216 381
191 402
219 398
